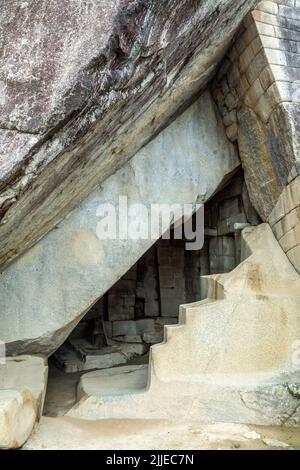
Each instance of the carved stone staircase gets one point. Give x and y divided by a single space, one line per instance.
231 357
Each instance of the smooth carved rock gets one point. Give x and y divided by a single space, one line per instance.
242 343
45 292
83 85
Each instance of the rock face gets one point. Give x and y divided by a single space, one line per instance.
23 381
17 417
232 357
46 291
77 101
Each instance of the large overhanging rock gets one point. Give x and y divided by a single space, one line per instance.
83 85
45 292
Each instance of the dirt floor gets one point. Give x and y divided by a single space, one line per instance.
56 431
69 433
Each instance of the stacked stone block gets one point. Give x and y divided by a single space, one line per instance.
285 221
262 66
148 296
147 292
171 276
257 90
225 215
121 297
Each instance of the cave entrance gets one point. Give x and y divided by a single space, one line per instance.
121 327
130 317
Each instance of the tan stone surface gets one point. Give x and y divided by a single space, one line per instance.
267 52
17 417
69 433
23 382
230 358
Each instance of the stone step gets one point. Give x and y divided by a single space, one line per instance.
79 355
113 382
223 359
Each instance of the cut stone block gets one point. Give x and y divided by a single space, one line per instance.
23 381
17 417
128 338
153 338
145 325
93 358
26 372
291 239
120 328
119 381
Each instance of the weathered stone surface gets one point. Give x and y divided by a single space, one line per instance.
46 291
258 82
128 378
86 94
153 338
28 372
261 174
124 328
242 343
17 417
23 381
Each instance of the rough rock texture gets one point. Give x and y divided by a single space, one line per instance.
23 382
240 339
28 372
17 417
257 90
45 292
78 99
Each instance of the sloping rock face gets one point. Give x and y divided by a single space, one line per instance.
83 85
233 357
45 292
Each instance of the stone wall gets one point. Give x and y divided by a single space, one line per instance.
257 92
225 215
147 297
285 221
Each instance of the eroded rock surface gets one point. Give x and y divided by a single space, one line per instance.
83 85
17 417
23 382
